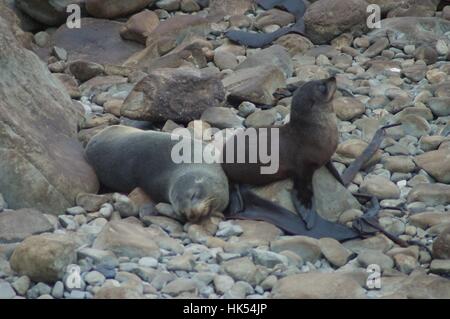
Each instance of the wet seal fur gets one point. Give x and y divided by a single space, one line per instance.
125 158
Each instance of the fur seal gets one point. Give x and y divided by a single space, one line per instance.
305 144
125 158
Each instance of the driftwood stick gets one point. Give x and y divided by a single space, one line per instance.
351 171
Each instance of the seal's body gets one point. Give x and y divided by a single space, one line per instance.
125 158
306 143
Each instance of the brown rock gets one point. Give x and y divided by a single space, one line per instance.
44 257
42 163
139 26
326 19
177 94
318 286
441 246
110 9
436 163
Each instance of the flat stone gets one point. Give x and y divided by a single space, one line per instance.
318 286
127 239
306 247
17 225
334 252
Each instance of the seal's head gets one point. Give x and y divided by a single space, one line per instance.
194 196
314 96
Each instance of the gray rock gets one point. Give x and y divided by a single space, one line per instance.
15 226
222 117
127 239
94 278
21 285
38 290
306 247
275 55
375 257
223 283
44 257
440 267
6 291
181 95
58 290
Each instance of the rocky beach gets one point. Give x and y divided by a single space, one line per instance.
166 64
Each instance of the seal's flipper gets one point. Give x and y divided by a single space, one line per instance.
308 214
257 208
332 169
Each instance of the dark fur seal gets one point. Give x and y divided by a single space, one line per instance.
125 158
306 143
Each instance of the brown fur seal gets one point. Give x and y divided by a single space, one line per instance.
306 143
125 158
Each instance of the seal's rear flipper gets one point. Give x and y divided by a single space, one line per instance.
257 208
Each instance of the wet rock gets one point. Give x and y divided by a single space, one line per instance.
318 286
15 226
181 95
436 163
326 19
127 239
44 257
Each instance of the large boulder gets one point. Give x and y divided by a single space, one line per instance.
326 19
317 285
41 162
49 12
110 9
45 257
412 30
180 95
97 41
15 226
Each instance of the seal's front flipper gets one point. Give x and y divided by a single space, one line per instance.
308 214
236 204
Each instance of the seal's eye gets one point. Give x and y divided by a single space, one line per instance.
323 88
